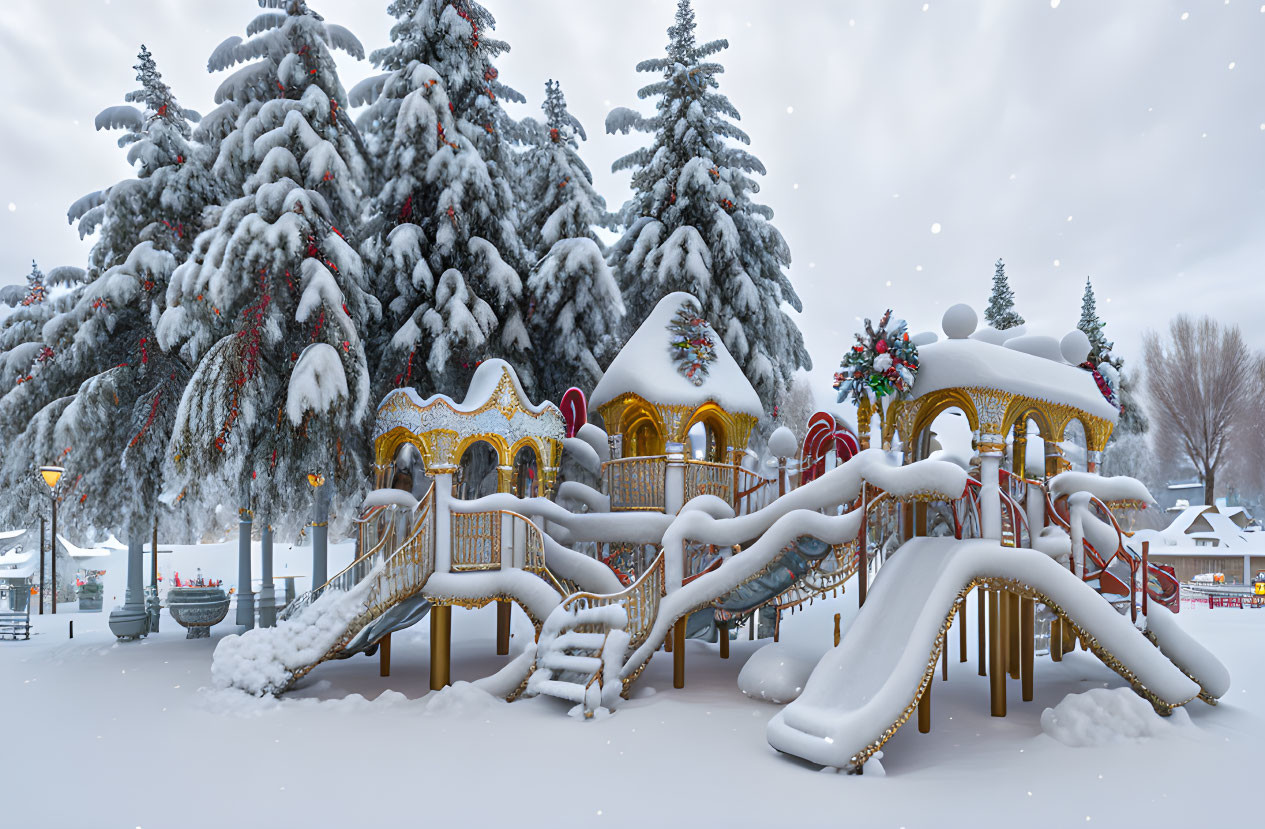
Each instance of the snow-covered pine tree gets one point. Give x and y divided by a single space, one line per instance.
575 306
691 224
443 243
112 391
1000 313
270 308
1101 353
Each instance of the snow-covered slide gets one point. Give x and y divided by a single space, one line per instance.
865 689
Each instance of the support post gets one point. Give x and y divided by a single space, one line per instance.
723 630
1027 642
503 609
320 539
384 656
1013 629
996 660
838 636
131 621
674 479
153 563
990 491
1056 639
52 543
1069 637
944 657
1146 575
981 603
924 710
440 646
245 597
962 632
678 653
267 590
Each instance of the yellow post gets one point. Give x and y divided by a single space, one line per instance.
440 646
944 656
838 636
723 630
1069 637
924 711
1027 641
678 653
962 632
384 656
503 609
996 655
981 601
1012 629
1056 639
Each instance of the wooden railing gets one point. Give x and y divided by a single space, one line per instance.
640 601
636 483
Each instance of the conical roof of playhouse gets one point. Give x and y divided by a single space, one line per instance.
483 386
645 367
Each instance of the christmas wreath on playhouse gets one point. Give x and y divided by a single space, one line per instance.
883 362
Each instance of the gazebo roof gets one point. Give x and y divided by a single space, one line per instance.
645 367
973 363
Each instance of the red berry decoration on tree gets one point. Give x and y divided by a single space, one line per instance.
882 362
692 345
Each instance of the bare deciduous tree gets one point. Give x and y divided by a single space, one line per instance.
1202 382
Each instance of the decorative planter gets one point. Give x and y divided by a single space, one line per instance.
197 609
90 597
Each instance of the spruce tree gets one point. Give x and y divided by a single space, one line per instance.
691 224
270 307
106 393
1000 313
1102 355
575 306
442 242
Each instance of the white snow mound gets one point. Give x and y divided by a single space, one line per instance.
1108 715
776 673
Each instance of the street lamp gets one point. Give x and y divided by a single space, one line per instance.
52 476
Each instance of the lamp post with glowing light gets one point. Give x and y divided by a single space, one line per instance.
52 476
320 532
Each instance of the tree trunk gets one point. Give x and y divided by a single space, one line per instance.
1210 487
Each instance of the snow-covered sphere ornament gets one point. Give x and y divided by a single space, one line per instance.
959 322
782 443
1075 347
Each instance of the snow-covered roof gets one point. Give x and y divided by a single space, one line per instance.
963 363
18 573
481 389
645 367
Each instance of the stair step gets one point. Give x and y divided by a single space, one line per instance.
555 661
575 639
562 690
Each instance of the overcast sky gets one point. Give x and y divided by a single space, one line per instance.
908 144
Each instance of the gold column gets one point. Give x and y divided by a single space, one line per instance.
1019 450
1056 639
1069 637
503 609
1027 641
440 646
504 478
384 656
1012 629
920 518
962 632
944 656
996 656
981 602
924 710
678 653
723 630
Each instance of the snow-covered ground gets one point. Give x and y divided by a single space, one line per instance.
131 735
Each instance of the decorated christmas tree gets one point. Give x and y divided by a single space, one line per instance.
443 243
270 307
691 224
575 307
1000 313
100 385
1099 346
1102 355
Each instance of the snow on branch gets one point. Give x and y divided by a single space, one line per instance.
264 22
317 382
622 119
341 38
120 117
368 90
85 203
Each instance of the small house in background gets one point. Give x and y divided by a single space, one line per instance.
1203 539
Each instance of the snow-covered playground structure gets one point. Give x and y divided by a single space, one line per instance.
665 529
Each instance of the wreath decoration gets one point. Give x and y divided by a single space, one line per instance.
692 346
883 362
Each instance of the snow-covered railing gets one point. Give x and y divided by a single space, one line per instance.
640 601
636 483
707 478
754 491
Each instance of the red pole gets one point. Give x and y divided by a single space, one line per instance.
863 568
1146 574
